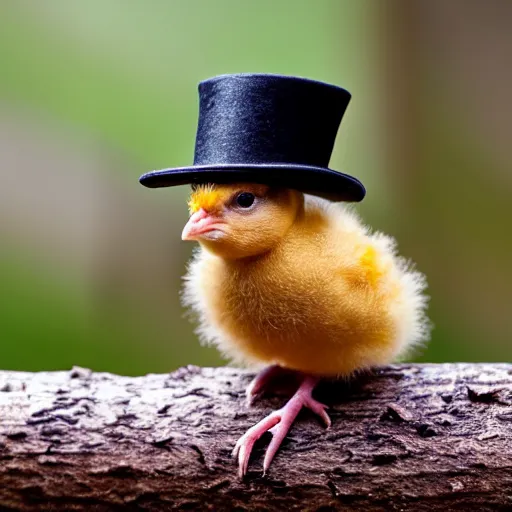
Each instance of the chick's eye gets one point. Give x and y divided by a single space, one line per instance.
245 199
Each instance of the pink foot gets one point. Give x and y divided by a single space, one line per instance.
279 423
273 376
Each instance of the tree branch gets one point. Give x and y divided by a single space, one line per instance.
406 437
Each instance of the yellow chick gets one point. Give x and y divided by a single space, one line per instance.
296 282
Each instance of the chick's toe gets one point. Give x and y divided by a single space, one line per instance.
278 423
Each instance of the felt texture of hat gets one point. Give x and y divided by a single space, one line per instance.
269 129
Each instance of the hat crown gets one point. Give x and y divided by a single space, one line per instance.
267 119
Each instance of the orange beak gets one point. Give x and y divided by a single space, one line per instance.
199 224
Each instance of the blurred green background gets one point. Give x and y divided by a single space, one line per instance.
93 94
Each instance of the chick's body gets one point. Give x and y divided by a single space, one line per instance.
328 299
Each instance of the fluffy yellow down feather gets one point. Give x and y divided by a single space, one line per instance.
328 298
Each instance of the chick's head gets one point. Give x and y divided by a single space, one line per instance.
241 220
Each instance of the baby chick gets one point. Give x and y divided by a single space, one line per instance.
296 282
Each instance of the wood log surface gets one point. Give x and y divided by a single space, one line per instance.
404 437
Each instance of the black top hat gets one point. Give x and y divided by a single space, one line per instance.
271 129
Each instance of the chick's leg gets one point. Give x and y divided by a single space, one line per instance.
278 423
275 378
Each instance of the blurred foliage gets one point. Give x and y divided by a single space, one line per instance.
123 75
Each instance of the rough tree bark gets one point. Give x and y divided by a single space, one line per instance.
406 437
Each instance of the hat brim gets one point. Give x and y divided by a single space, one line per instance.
319 181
